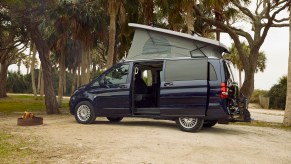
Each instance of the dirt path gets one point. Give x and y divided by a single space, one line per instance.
135 140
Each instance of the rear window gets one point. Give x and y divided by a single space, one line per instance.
229 71
186 70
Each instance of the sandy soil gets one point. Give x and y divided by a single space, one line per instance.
136 140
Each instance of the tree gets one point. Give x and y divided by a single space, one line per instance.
32 23
277 94
234 58
287 115
32 71
148 11
13 39
113 6
262 19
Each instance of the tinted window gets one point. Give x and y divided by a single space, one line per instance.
117 75
184 70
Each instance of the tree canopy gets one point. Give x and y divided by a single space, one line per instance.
81 36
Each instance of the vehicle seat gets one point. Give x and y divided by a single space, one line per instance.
140 86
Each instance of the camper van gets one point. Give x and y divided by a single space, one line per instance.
167 75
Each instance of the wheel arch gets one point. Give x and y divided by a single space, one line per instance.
83 99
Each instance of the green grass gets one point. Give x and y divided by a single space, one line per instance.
12 146
22 103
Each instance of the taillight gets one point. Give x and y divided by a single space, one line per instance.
224 92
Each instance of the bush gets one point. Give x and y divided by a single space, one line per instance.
18 83
256 94
278 93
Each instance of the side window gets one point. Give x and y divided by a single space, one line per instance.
117 75
186 70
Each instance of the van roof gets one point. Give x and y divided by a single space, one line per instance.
152 42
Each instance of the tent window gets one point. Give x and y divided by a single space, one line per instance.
186 70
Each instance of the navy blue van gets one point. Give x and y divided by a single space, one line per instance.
194 92
167 75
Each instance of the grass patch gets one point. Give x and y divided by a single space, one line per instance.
22 103
12 146
264 124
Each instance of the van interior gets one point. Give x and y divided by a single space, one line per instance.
146 87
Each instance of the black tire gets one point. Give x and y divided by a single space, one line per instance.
209 123
189 124
114 119
84 113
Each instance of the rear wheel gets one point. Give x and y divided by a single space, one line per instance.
84 113
189 124
209 123
114 119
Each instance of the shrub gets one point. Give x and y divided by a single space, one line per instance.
256 94
278 93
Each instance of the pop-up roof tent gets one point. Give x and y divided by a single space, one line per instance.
156 43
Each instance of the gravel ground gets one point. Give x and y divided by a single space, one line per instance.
137 140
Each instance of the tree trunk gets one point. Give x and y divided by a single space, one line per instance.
65 83
84 68
190 19
32 71
287 115
112 31
73 80
39 79
61 78
43 51
89 60
248 85
18 66
239 76
41 92
79 76
3 79
148 9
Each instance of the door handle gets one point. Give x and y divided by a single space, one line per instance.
167 84
123 86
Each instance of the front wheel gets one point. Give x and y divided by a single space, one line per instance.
84 113
189 124
114 119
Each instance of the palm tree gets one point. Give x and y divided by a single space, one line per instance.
235 59
148 11
113 6
32 71
220 11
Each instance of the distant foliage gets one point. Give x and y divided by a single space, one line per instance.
256 94
18 83
277 94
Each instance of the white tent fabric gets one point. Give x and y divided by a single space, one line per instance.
156 43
